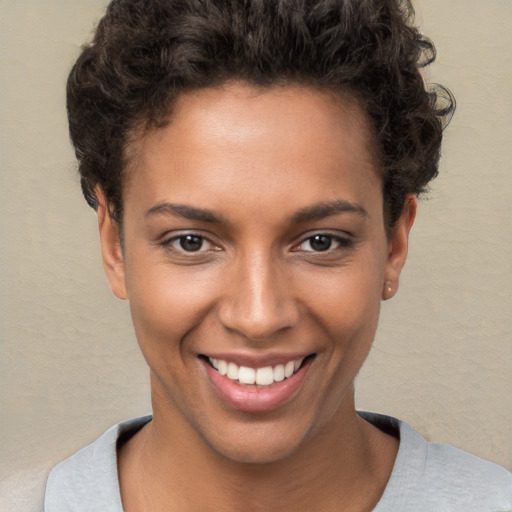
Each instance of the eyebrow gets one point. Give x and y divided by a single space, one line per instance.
185 211
326 209
316 211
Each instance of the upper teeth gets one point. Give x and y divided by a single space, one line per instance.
260 376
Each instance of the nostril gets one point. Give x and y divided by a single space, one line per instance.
258 302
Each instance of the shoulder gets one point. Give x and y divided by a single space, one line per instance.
438 477
458 476
87 481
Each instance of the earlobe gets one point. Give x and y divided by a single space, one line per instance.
111 249
388 290
398 247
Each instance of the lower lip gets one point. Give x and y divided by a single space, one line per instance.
254 399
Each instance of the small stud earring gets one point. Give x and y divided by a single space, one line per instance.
387 293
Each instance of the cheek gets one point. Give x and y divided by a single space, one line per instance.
347 306
347 298
166 304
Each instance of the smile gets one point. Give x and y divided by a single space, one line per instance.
265 376
255 387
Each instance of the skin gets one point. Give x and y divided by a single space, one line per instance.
258 160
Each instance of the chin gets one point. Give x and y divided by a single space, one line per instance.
256 453
256 444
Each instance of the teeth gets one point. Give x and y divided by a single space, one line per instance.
260 376
232 372
222 367
265 376
279 373
289 369
246 375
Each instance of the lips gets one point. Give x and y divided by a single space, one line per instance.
253 387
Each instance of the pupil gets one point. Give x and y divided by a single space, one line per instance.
191 243
321 242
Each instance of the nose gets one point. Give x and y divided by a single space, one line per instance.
258 302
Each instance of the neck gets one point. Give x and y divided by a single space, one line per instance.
344 467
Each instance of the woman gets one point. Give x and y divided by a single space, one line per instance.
255 167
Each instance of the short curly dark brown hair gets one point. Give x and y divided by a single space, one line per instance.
146 52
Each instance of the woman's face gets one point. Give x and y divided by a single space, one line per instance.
255 258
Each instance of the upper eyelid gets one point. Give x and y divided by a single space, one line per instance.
176 234
336 238
335 234
168 239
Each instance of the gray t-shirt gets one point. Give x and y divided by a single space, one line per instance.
426 477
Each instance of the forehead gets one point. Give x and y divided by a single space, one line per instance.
257 142
242 111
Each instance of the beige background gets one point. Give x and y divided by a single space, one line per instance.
69 364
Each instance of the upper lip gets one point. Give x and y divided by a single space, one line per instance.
257 361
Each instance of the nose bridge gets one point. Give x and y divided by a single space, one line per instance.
258 303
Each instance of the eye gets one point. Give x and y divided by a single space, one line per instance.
322 243
189 243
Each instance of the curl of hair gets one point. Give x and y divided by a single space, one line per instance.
146 52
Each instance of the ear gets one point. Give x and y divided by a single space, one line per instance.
111 249
397 248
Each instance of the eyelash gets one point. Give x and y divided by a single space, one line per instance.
342 243
169 243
